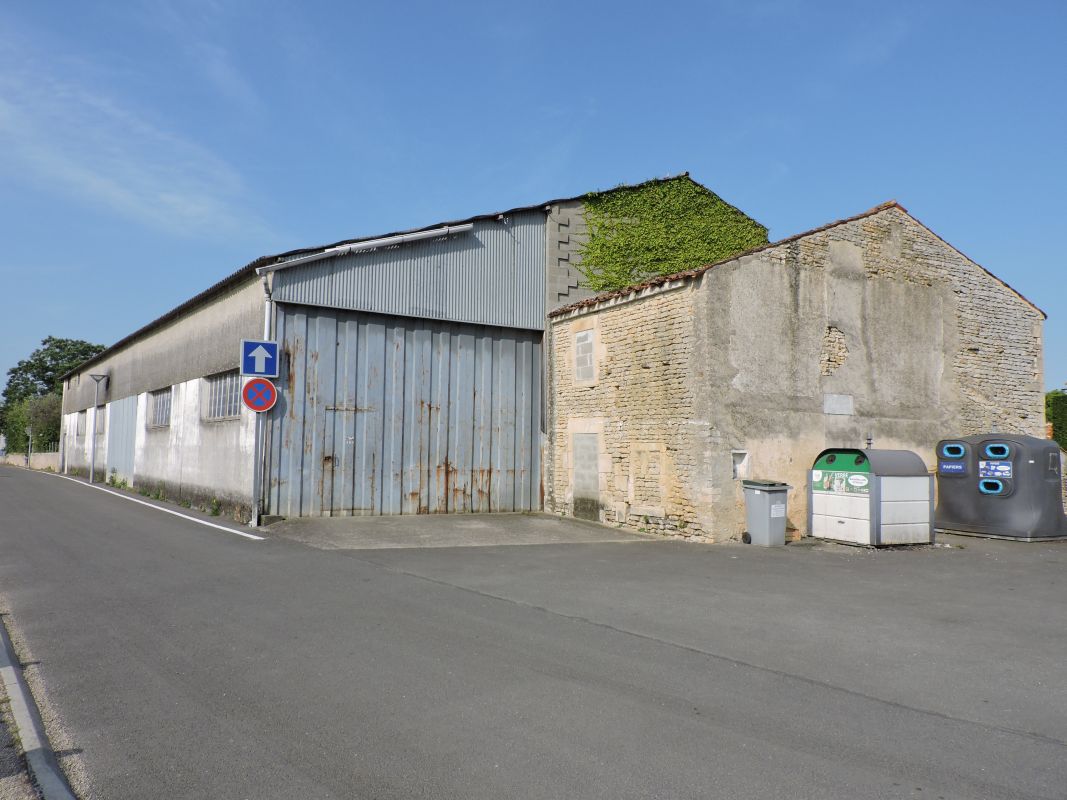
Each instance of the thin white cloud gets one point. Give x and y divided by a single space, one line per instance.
197 29
60 131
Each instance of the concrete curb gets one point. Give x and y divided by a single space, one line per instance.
41 760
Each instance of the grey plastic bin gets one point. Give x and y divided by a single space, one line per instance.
765 507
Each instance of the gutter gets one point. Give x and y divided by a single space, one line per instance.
369 244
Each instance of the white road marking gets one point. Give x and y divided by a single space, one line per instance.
157 508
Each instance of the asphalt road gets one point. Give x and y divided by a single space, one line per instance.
187 662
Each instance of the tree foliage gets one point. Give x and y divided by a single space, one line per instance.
659 228
1056 413
33 395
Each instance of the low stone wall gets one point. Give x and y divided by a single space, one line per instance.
49 461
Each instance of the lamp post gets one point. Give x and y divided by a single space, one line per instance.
96 409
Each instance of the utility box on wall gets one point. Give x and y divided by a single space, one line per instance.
871 497
1002 486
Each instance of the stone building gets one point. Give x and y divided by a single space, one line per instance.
665 394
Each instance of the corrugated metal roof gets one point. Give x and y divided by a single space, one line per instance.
248 272
492 275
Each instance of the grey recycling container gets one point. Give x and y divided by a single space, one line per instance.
871 497
765 507
1000 486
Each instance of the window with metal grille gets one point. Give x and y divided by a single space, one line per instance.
101 420
584 368
80 430
159 408
224 395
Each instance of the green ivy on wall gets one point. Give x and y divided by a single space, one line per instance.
659 228
1056 413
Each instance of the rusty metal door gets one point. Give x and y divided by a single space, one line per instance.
394 415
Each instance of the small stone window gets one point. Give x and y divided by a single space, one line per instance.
159 408
584 365
101 420
79 429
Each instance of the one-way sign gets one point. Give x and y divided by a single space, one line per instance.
259 358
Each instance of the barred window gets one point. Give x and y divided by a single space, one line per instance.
101 420
159 408
224 395
80 429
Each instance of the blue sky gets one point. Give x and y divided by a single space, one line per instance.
149 148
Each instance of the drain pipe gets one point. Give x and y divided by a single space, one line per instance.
260 448
268 305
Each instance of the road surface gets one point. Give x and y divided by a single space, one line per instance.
189 662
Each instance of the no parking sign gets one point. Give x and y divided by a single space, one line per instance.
259 395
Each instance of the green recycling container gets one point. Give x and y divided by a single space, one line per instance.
871 497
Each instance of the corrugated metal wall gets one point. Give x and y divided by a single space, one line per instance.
493 275
391 415
121 433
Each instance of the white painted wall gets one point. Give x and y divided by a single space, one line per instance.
193 458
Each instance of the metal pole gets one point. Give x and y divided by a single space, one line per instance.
29 445
259 449
96 410
92 443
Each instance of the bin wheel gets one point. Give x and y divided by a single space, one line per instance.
746 538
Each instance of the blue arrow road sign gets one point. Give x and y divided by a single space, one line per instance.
259 358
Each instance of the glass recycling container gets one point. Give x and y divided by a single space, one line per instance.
871 497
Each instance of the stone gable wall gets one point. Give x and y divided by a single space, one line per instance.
871 327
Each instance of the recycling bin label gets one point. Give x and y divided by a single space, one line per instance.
834 482
994 469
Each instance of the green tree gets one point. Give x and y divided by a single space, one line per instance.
33 392
1056 413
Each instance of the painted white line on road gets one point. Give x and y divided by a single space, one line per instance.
157 508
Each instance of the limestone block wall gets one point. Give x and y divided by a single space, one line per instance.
996 348
623 437
998 363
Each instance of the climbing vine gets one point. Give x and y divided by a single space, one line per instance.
658 228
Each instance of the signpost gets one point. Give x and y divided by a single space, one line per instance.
259 394
259 359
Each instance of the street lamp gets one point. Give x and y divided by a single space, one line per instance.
96 409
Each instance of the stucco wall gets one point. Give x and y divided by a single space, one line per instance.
873 326
193 458
77 447
43 461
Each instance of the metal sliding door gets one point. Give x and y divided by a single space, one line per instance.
394 415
